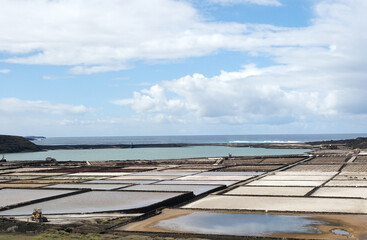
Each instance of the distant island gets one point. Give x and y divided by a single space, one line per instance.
16 144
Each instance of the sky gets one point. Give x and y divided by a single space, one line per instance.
182 67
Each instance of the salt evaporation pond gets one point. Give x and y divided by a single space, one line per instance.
121 181
96 201
240 224
165 173
175 182
149 153
89 186
230 173
15 196
196 189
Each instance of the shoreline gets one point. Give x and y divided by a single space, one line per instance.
359 142
163 145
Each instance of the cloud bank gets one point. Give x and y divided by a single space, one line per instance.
83 36
318 71
315 72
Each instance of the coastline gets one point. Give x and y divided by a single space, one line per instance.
163 145
360 142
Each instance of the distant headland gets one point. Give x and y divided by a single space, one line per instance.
16 144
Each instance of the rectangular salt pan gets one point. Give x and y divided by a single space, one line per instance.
90 178
21 185
214 178
351 177
7 177
230 174
296 178
122 181
165 173
316 167
352 173
96 201
199 182
341 192
153 177
35 174
101 174
347 183
286 183
305 173
15 196
89 186
276 191
196 189
287 204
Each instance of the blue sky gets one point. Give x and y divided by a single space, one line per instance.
177 67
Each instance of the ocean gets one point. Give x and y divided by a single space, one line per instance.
170 152
195 139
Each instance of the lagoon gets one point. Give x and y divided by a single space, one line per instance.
149 153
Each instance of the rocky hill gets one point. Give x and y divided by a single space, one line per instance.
360 142
14 144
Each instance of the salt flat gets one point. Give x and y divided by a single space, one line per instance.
297 178
347 183
305 173
144 177
196 189
283 204
230 174
15 196
198 182
99 174
95 201
284 191
346 192
286 183
165 173
89 186
214 178
351 177
34 174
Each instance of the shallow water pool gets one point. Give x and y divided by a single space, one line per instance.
240 224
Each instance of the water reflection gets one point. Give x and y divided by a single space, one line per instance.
240 224
340 232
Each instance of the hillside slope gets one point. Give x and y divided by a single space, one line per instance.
14 144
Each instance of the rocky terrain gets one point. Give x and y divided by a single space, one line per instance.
15 144
360 142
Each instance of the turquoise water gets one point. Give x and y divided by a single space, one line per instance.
149 153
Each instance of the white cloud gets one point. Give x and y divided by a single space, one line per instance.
319 72
9 106
95 69
82 35
52 77
258 2
5 71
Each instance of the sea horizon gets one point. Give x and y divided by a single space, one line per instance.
196 139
